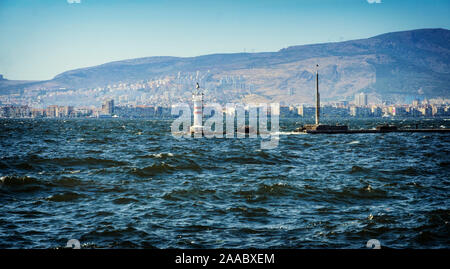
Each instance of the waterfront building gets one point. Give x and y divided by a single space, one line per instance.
108 107
51 111
361 99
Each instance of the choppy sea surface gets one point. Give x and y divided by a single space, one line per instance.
116 183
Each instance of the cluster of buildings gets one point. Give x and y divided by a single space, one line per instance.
362 109
52 111
154 98
107 110
335 110
371 111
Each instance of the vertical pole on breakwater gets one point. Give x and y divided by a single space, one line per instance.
317 96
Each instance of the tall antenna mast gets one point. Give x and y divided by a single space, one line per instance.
317 96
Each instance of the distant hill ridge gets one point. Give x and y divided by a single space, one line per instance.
392 65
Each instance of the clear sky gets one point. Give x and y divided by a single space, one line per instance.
42 38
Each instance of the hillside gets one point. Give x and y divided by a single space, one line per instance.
395 66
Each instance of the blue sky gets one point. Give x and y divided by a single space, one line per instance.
42 38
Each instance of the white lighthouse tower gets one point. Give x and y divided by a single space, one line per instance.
197 98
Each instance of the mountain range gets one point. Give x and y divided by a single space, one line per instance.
392 66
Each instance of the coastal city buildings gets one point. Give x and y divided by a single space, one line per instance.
108 107
361 99
154 98
329 110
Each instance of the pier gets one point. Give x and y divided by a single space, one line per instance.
372 131
318 128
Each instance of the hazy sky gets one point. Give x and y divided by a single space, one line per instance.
42 38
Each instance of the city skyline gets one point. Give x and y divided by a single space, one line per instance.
359 108
117 30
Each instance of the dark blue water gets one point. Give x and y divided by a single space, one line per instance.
117 183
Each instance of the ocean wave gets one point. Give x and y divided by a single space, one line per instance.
20 184
163 167
152 170
88 161
264 191
34 162
359 169
196 228
108 236
250 211
162 155
356 194
188 194
65 197
243 159
17 181
104 213
408 171
68 182
124 200
278 189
